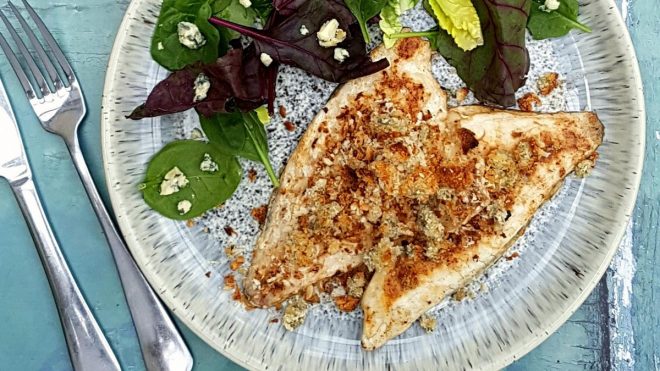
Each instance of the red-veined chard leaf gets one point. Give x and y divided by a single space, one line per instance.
496 70
282 40
238 78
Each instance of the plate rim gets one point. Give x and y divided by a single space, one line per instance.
516 353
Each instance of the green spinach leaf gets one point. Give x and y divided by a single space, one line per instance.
165 46
241 134
363 10
205 189
263 8
233 11
543 24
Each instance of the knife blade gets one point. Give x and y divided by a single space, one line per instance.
13 162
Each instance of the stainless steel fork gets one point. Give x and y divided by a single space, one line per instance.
60 107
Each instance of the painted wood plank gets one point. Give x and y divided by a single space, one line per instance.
645 28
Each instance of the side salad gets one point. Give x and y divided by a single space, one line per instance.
224 57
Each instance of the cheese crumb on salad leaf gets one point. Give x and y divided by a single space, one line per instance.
208 165
190 36
173 182
330 35
266 59
184 207
202 85
550 5
340 54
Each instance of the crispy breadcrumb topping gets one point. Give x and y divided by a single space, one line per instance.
529 102
402 190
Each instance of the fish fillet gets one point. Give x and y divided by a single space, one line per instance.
523 158
427 197
311 231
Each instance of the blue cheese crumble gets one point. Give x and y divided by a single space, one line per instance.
550 5
202 86
174 180
190 36
330 34
208 164
265 59
341 54
184 207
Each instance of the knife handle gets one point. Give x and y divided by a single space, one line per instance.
88 347
162 346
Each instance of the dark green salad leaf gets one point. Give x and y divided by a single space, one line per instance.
495 70
241 134
282 40
544 24
235 12
263 8
364 10
205 189
166 49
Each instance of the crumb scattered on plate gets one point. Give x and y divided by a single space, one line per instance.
461 94
252 175
230 231
237 263
294 313
289 126
428 322
529 102
547 82
259 213
230 282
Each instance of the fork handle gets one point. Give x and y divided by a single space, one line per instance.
88 347
162 346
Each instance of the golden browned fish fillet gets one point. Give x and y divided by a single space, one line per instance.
518 160
428 199
320 220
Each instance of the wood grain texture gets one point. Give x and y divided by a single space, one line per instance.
31 335
646 234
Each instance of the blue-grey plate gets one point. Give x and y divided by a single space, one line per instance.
514 306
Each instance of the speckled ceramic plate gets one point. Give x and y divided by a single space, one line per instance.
517 303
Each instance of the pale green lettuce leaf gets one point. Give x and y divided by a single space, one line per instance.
459 18
390 21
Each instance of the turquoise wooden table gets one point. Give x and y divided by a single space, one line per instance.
617 327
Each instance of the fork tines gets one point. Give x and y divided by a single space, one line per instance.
42 81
